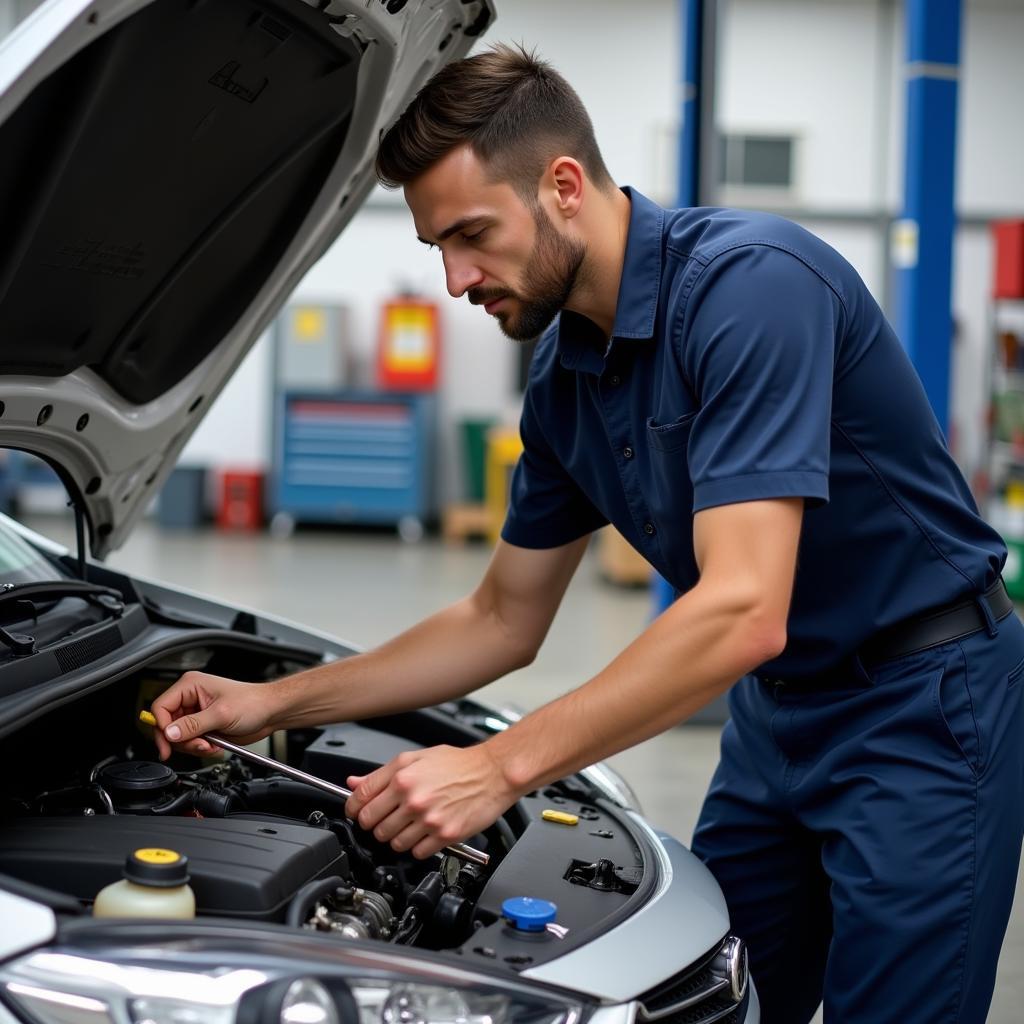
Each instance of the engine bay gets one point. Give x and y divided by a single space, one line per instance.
81 787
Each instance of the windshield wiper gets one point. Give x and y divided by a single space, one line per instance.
21 644
108 598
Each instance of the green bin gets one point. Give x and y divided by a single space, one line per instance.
474 456
1013 571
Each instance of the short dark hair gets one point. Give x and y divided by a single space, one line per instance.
514 110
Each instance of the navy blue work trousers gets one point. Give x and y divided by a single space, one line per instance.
867 835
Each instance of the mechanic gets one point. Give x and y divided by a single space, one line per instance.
720 386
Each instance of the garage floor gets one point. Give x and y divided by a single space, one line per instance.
366 587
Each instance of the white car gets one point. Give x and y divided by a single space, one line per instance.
169 170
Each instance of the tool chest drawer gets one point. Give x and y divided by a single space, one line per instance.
354 457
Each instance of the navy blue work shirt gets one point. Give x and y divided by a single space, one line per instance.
749 361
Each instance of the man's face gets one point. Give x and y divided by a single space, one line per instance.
497 250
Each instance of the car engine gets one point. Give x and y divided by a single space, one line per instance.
82 788
260 846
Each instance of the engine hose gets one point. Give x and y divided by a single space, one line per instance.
302 902
292 798
409 928
182 802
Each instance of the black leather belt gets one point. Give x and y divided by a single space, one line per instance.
938 626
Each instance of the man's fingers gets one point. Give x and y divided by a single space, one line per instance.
365 788
373 800
411 837
390 826
427 846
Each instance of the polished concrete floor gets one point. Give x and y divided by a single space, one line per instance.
366 587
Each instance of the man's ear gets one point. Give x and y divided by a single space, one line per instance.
564 182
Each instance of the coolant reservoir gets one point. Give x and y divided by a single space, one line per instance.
155 884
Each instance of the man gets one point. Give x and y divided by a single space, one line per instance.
721 386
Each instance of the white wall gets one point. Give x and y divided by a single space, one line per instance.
793 67
832 71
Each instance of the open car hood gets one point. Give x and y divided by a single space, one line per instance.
170 170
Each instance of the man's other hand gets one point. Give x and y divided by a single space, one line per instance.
425 800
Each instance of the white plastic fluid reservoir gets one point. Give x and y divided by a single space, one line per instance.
155 884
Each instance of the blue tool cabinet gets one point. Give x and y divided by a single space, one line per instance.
354 457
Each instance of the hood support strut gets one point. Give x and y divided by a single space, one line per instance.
79 537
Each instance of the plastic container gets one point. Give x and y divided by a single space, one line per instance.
155 884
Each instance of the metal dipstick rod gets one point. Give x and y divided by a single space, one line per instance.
460 850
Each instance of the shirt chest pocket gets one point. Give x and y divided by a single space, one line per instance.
671 494
670 437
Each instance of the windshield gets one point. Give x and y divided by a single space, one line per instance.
27 484
20 562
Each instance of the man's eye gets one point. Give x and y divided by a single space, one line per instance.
475 237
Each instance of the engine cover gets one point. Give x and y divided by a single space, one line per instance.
238 867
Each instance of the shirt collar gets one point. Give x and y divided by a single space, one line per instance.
637 303
639 288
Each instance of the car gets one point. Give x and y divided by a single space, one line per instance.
172 168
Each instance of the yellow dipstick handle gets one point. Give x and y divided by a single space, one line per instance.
460 850
560 817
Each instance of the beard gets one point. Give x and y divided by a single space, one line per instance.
552 272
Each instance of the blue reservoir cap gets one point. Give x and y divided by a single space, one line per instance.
528 914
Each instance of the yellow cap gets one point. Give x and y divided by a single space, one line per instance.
148 717
560 817
156 855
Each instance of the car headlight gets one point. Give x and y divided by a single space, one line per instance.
70 988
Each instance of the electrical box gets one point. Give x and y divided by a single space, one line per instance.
314 350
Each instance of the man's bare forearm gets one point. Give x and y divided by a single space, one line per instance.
446 656
690 655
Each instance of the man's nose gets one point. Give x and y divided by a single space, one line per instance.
460 276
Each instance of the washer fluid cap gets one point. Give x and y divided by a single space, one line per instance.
162 868
527 914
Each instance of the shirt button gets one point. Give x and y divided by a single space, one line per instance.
649 529
627 452
615 379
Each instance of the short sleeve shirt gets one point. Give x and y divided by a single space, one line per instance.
748 361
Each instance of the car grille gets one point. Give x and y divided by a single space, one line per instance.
700 994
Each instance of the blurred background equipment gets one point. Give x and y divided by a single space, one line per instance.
314 349
346 454
409 345
1000 484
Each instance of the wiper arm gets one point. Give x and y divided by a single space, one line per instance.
19 644
104 597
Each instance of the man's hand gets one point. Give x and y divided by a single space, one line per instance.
199 703
425 800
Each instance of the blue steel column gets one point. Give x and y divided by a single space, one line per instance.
688 185
925 254
692 133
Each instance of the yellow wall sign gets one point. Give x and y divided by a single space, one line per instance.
410 338
309 324
409 345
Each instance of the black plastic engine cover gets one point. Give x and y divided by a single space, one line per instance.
238 868
349 749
